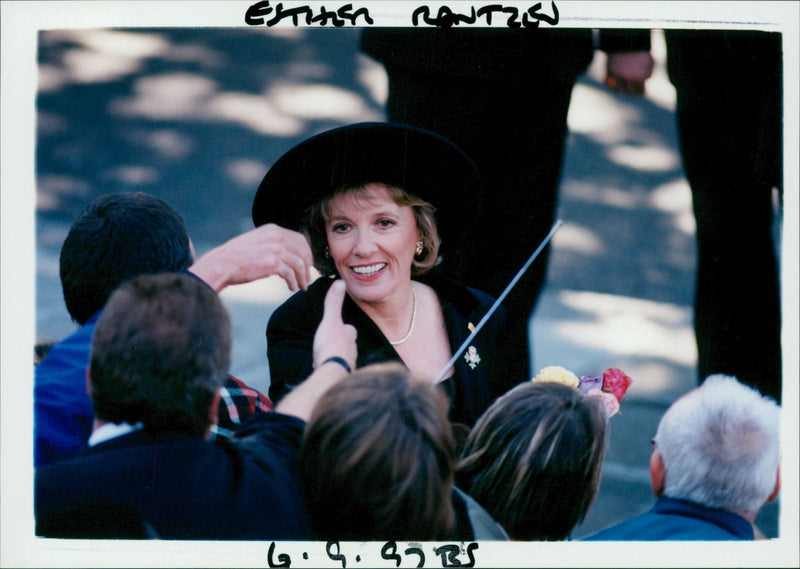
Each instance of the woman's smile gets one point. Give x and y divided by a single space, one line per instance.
368 271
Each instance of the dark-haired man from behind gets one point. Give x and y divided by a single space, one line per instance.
160 355
117 237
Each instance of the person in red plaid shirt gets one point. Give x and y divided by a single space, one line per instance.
238 401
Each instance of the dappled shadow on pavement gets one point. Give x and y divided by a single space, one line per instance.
195 116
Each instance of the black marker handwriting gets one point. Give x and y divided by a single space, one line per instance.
414 550
283 558
255 15
335 556
447 18
389 553
449 554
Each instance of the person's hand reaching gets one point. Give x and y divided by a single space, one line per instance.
335 356
261 252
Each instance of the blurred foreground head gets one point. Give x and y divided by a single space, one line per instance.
161 350
533 459
378 459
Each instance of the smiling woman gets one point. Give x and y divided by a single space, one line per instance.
380 204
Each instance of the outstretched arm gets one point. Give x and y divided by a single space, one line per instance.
261 252
333 341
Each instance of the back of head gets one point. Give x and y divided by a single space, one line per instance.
533 459
720 446
115 238
378 458
160 351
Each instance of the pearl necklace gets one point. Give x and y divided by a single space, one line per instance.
413 321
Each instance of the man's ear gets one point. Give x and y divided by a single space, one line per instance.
213 413
657 472
777 489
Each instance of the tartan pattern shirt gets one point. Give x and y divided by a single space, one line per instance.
238 402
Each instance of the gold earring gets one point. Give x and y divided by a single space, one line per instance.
327 253
420 248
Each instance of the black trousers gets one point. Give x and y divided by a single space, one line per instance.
728 86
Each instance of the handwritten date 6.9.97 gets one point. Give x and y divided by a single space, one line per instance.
390 554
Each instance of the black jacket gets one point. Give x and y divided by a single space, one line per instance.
179 487
291 328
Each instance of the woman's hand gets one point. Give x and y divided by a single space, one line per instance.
261 252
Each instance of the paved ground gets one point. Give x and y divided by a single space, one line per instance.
197 117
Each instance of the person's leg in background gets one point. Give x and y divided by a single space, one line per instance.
728 88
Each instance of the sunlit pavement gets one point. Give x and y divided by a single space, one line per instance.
197 117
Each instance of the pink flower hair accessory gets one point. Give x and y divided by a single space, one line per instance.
609 401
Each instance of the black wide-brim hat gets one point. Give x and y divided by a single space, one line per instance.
418 161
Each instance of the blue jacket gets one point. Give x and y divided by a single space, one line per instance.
679 520
63 414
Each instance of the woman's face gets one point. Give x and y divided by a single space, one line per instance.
372 241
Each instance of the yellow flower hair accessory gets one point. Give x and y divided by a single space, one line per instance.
557 374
